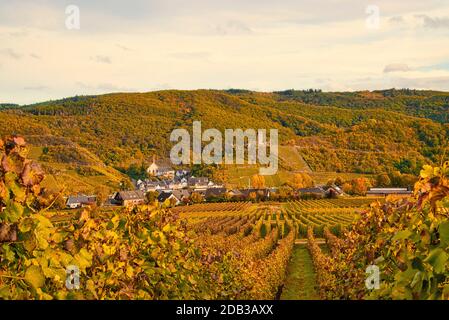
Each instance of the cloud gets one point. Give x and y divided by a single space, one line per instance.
190 55
425 83
103 87
36 88
444 65
35 56
396 67
124 48
396 20
21 33
101 59
434 22
233 27
11 53
218 44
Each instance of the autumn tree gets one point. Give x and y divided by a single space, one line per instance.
347 188
219 174
102 196
302 180
285 192
258 181
252 196
227 196
196 197
150 197
330 182
360 186
383 180
338 181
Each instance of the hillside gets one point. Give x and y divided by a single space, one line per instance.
357 132
72 168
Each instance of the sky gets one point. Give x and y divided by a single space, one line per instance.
147 45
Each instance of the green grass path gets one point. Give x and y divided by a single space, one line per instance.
301 279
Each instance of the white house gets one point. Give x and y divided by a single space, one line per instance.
177 184
80 201
159 170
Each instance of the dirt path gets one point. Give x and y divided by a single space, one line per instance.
300 283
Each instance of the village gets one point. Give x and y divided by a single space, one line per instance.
172 187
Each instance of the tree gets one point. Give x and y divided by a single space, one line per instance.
285 192
383 180
227 196
360 186
347 188
258 181
173 202
252 196
125 185
220 174
102 196
196 197
302 180
151 197
339 181
274 196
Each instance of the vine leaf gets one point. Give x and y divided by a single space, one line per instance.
34 277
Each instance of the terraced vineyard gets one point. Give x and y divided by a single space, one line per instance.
263 236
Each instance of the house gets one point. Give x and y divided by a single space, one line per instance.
236 193
198 183
160 170
147 185
130 198
215 193
333 192
182 195
178 183
182 173
383 192
79 201
202 192
164 196
316 192
260 193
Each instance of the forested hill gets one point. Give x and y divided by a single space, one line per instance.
428 104
366 132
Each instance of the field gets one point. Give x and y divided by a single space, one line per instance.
290 162
275 234
291 159
239 176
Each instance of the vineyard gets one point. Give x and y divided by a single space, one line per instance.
266 234
229 218
306 249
